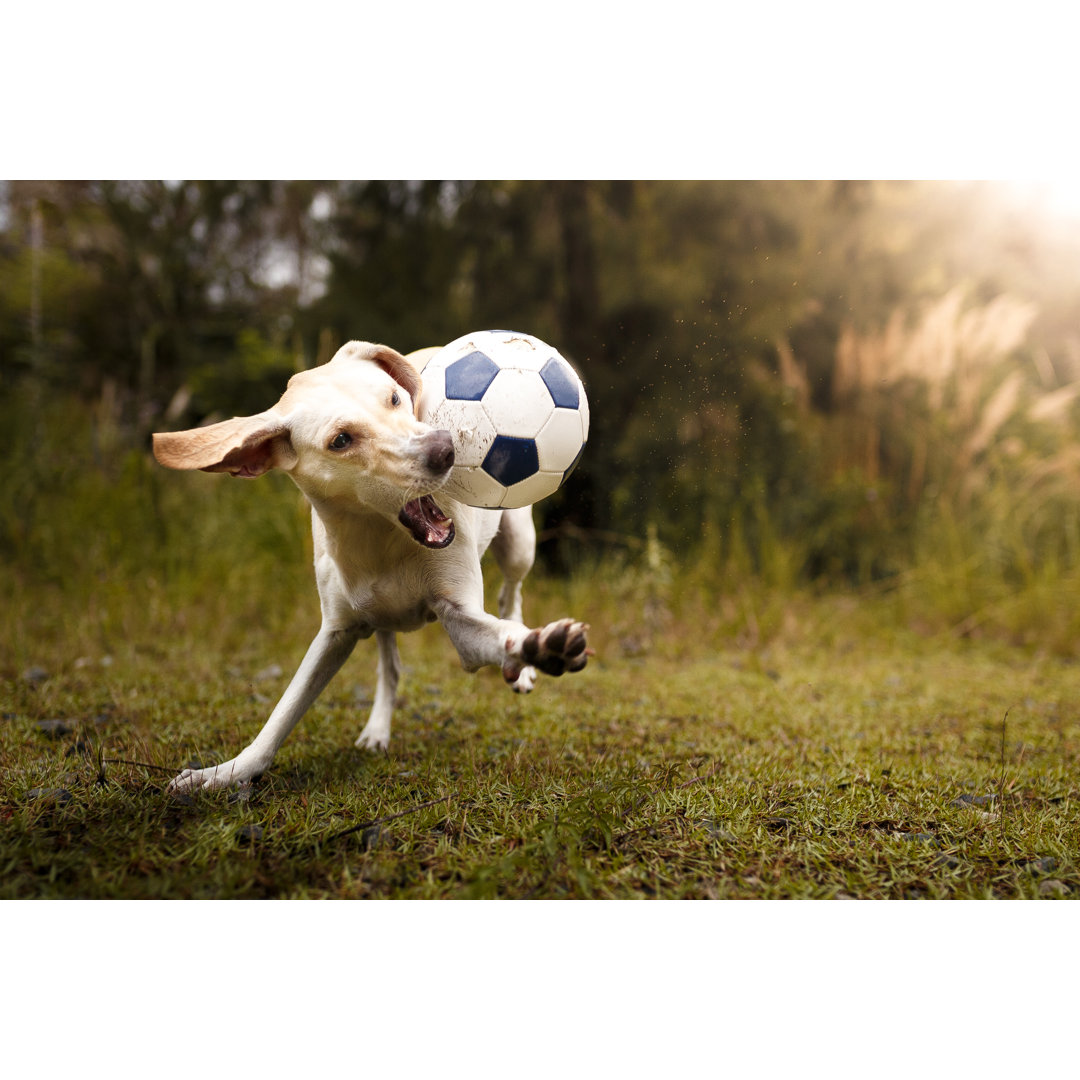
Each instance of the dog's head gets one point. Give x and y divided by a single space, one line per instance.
348 434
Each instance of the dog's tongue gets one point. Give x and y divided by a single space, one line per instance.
427 523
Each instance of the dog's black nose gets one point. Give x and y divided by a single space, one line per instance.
439 447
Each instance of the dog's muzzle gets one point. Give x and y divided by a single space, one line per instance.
439 452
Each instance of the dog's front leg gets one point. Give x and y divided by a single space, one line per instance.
481 639
325 655
376 733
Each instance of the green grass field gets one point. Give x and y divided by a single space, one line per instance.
772 746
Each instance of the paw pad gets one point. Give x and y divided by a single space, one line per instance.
557 648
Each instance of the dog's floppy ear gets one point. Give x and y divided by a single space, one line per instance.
398 367
243 446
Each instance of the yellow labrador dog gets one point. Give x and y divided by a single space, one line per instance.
390 553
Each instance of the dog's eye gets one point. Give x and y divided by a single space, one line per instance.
340 440
395 399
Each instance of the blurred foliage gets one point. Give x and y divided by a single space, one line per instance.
834 381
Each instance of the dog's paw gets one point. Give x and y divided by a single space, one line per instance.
558 647
521 679
373 738
236 771
200 779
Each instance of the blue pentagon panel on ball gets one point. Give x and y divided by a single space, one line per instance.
469 377
511 460
561 384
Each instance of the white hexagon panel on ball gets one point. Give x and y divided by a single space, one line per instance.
469 426
518 403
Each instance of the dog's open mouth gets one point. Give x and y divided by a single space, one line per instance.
427 523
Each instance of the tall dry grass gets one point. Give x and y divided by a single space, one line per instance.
952 376
953 414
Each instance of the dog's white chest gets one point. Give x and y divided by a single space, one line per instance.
384 611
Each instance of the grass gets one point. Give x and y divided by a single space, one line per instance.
770 747
731 738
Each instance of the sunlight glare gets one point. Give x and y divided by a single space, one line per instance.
1058 198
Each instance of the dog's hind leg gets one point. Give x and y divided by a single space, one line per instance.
325 655
376 733
514 548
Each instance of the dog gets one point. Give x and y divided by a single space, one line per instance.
390 553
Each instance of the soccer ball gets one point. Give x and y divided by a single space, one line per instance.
516 411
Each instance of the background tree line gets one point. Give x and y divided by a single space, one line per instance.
817 380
